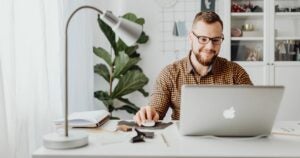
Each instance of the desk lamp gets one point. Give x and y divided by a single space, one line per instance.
129 32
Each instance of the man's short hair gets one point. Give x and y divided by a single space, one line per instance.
208 17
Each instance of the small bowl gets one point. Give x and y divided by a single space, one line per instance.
248 27
236 32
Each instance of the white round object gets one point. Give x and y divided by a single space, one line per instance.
148 123
166 3
60 141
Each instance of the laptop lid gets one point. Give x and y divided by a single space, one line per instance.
228 110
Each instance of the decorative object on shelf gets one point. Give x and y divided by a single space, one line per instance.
256 9
236 32
296 9
179 29
245 7
121 72
277 9
248 27
235 7
129 32
280 47
297 49
286 9
253 55
298 54
248 30
291 51
208 5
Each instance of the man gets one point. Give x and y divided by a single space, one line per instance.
201 66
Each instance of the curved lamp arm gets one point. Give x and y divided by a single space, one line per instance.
66 63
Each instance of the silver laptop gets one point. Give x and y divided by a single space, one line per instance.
221 110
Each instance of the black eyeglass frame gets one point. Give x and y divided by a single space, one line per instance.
212 39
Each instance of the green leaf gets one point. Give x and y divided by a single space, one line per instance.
106 100
131 50
109 34
125 100
103 71
121 45
114 118
134 54
130 17
132 109
145 94
129 103
102 53
101 95
136 68
128 50
140 21
130 82
123 63
143 38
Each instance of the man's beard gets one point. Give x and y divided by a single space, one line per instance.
205 62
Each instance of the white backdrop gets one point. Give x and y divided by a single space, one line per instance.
30 73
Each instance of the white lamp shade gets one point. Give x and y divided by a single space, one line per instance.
127 30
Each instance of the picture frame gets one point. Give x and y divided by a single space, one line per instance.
208 5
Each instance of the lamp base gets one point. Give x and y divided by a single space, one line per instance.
59 141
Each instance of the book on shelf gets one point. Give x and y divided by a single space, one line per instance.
85 119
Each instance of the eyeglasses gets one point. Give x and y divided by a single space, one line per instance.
205 39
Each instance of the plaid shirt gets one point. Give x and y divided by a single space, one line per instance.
167 89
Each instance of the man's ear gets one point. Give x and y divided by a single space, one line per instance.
190 36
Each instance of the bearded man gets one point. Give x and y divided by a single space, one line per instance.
201 66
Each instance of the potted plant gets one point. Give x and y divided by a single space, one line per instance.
120 69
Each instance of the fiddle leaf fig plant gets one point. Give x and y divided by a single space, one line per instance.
120 69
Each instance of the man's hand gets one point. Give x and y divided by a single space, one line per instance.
145 113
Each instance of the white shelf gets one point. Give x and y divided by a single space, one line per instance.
287 63
248 14
261 63
288 14
247 38
287 38
250 63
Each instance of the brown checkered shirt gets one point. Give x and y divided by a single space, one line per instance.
167 89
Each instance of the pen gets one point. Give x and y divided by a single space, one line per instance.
165 140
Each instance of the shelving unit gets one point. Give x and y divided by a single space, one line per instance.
279 42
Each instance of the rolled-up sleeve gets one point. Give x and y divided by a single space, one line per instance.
160 97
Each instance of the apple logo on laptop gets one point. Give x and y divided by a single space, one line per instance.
229 113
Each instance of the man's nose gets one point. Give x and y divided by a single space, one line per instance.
209 44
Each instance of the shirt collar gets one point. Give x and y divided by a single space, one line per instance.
191 69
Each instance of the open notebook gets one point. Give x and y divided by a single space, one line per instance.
86 119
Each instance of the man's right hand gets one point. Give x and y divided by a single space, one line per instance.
146 113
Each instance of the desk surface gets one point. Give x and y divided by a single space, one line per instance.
105 143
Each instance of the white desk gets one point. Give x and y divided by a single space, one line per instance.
103 143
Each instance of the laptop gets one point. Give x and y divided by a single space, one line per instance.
229 110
